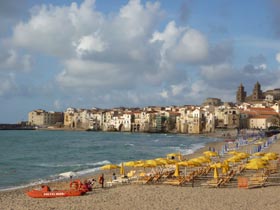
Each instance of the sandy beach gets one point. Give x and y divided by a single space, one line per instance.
153 196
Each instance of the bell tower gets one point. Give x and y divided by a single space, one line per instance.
240 94
257 92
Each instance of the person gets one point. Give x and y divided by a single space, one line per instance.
114 177
101 180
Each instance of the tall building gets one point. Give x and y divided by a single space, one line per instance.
257 92
241 94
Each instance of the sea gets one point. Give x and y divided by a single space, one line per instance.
30 157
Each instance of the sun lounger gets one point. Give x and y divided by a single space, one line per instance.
252 182
176 182
143 180
157 178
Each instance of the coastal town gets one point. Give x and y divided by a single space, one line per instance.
260 110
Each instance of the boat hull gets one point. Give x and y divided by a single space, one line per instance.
54 193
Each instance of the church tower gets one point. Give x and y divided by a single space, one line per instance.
241 94
257 92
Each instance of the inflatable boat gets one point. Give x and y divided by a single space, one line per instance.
46 192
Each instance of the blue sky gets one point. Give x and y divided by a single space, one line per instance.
86 53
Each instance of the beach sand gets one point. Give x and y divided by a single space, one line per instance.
152 196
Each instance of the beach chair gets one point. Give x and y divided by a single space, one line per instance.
227 178
273 167
215 182
157 178
256 182
143 180
175 182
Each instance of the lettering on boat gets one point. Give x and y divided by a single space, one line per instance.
53 193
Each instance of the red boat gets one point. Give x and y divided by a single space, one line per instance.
46 192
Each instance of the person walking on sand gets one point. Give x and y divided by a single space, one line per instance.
101 180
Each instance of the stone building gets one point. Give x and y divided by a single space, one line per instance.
257 94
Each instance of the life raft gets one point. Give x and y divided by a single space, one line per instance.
46 192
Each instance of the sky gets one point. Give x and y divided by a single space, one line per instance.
105 54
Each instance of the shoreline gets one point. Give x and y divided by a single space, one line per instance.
155 196
217 142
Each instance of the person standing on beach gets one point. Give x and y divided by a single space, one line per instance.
101 180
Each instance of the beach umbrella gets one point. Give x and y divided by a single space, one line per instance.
234 159
152 163
258 154
216 174
225 167
122 169
130 163
161 161
204 159
193 162
179 155
254 165
258 160
243 155
215 166
170 161
271 155
210 154
268 158
109 167
183 163
177 170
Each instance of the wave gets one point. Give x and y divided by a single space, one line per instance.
57 177
194 147
70 165
129 145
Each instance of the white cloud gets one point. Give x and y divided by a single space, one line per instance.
90 43
53 29
181 44
192 47
121 56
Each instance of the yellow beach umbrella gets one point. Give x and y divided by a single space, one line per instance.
130 163
258 160
210 154
271 155
179 155
183 163
234 159
225 167
216 173
177 170
215 166
170 162
193 162
268 158
122 169
233 152
254 165
204 159
243 155
258 154
109 167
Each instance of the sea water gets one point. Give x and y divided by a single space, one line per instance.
36 156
